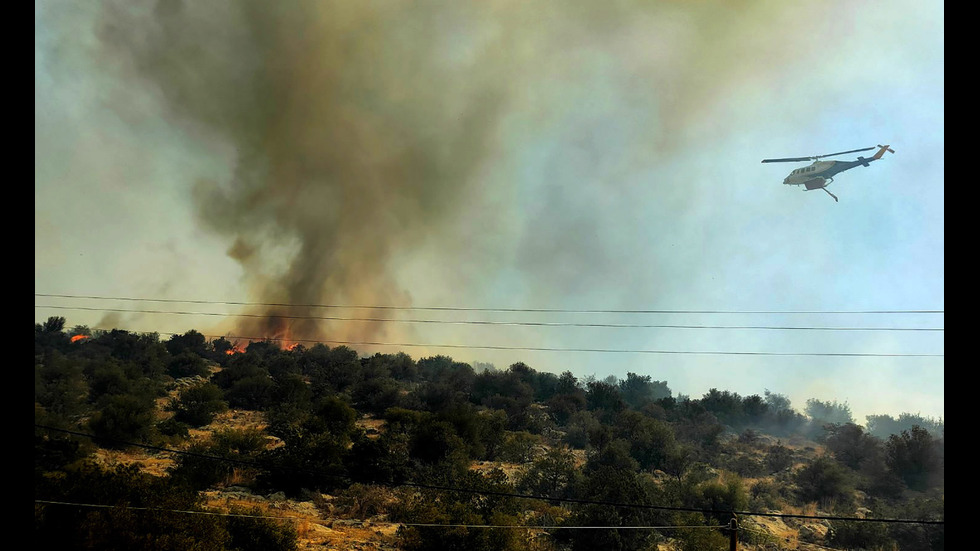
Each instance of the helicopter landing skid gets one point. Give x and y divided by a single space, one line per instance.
824 187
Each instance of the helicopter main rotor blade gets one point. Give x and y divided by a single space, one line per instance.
844 152
814 157
789 160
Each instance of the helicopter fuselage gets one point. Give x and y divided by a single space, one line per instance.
820 173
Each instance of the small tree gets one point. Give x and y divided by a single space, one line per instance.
850 444
915 456
259 534
124 418
197 405
825 481
779 457
826 413
638 390
550 475
191 341
187 364
519 447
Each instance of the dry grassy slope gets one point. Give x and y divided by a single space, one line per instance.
314 529
322 531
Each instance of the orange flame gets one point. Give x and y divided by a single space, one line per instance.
278 331
274 329
76 338
237 348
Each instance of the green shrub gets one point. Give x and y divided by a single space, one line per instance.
859 535
173 428
125 525
779 458
260 534
187 364
123 418
825 481
201 473
520 447
197 405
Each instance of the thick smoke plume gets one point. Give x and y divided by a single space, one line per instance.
362 131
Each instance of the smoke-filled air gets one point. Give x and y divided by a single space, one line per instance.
363 131
554 154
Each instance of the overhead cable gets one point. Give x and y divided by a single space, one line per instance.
478 309
579 350
500 494
360 522
486 322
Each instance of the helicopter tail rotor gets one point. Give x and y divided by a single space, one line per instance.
881 151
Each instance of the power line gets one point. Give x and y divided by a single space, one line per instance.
578 350
488 322
372 522
500 494
160 509
627 350
558 527
474 309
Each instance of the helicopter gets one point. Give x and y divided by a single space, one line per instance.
820 174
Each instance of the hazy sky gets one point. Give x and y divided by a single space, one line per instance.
506 154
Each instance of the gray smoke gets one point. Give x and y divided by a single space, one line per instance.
363 131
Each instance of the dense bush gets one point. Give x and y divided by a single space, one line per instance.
859 535
439 507
126 525
187 364
916 457
825 481
198 469
779 458
850 445
198 405
550 475
249 533
123 419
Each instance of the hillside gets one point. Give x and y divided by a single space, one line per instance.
390 452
